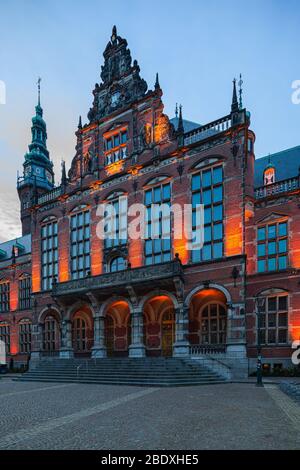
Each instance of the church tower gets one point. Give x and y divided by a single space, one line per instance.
38 175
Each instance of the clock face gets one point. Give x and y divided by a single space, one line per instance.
37 170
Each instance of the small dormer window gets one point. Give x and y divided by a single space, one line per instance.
269 176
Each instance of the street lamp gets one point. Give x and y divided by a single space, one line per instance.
259 305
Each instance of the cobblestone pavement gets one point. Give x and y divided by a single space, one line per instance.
70 416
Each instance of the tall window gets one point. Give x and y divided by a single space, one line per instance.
49 254
207 189
158 248
25 293
25 336
272 247
116 147
5 336
116 222
274 320
4 296
213 324
80 245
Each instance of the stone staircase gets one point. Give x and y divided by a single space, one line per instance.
160 372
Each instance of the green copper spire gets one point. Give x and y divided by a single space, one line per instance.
38 168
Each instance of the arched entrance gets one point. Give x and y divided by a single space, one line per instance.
51 334
82 333
208 318
118 328
159 326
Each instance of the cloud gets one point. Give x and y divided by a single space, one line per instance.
10 226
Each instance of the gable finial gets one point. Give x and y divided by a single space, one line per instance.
114 35
234 104
176 110
39 90
240 92
63 173
80 123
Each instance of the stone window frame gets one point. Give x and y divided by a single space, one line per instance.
266 241
117 151
264 322
49 252
24 292
212 221
219 330
4 295
80 242
25 332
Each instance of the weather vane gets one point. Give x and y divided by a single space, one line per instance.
240 91
39 89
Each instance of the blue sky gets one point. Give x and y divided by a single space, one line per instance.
196 46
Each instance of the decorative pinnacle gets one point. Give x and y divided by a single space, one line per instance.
234 104
157 85
180 128
176 110
80 123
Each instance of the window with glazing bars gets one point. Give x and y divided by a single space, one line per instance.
80 245
272 247
25 337
115 229
274 320
49 254
158 248
207 189
4 296
25 293
5 336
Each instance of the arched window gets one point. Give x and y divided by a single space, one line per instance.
117 264
213 324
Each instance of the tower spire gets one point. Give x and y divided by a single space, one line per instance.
234 104
157 85
176 110
180 128
39 91
240 92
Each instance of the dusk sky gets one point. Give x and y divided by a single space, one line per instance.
197 47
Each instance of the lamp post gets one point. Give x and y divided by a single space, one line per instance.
259 304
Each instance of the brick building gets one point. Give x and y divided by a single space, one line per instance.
66 292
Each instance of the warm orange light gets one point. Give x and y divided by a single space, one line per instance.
233 238
136 253
114 168
180 247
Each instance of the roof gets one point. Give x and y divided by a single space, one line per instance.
286 164
23 243
187 125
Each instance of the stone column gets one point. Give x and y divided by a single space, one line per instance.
66 350
181 346
99 348
236 331
137 347
36 344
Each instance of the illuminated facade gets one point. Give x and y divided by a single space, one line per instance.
153 297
